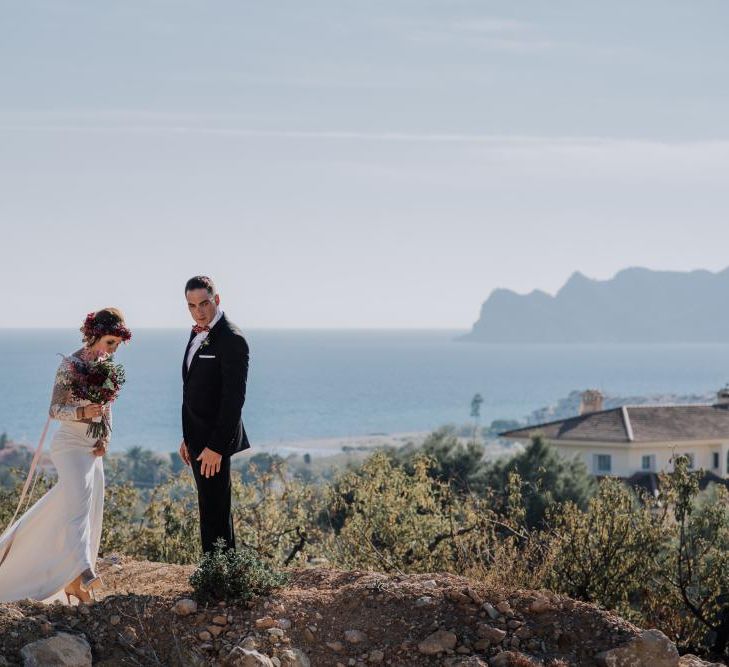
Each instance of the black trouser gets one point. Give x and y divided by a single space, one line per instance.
213 497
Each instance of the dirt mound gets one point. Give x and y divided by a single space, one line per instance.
322 617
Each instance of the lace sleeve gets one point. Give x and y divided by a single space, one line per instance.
63 406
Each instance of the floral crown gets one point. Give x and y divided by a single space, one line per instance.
94 328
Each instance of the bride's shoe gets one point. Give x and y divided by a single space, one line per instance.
74 589
89 581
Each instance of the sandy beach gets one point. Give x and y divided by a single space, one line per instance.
362 444
332 446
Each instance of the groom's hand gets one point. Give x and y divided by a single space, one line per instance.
209 462
184 454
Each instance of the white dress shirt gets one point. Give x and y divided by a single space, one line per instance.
199 338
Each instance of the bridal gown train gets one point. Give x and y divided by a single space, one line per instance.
59 536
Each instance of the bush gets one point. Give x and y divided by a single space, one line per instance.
660 561
547 478
606 554
227 574
461 466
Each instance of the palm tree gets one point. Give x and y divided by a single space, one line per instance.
476 402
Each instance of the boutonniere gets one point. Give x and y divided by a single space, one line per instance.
205 343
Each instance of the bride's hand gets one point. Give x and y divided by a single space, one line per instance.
100 448
93 410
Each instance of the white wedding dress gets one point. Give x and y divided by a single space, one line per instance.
58 538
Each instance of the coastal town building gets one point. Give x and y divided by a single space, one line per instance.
631 441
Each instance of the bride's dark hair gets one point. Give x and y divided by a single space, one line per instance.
104 322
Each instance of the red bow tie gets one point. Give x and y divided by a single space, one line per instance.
198 329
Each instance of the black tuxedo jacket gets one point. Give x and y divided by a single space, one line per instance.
214 390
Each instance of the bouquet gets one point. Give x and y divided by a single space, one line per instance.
98 381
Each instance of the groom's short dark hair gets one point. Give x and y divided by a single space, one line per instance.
200 282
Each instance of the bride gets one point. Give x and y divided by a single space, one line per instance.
54 545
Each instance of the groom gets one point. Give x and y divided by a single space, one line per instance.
214 374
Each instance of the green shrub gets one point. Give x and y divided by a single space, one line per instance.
227 574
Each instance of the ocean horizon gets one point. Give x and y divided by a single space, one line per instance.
307 384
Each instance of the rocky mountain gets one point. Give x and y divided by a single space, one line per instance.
637 305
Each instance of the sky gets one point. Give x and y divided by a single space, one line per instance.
353 164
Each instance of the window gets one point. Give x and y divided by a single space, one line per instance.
603 464
648 462
715 460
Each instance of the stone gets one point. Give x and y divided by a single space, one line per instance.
220 620
275 635
376 656
429 583
475 597
12 614
459 598
690 660
265 623
508 658
61 650
355 636
115 619
424 601
651 647
540 606
490 610
204 636
215 630
491 634
337 646
438 642
294 657
284 623
184 607
503 607
244 657
309 636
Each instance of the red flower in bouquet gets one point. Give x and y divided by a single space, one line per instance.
97 381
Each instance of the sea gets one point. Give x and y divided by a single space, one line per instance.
314 384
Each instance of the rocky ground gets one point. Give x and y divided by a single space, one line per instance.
145 616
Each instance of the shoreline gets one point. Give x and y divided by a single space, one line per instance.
324 447
336 445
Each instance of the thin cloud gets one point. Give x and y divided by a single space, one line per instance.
491 33
168 125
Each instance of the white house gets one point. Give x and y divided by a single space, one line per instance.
635 439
